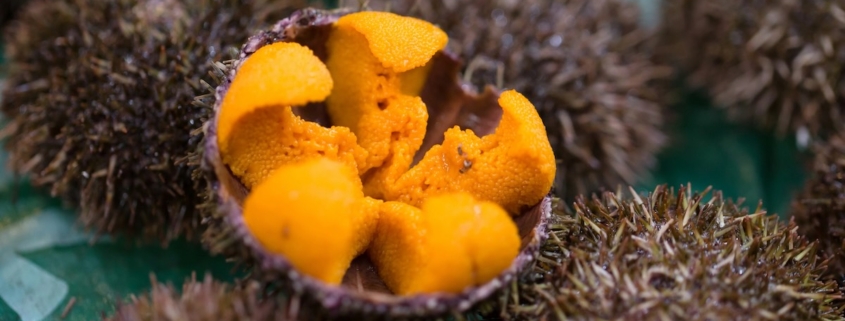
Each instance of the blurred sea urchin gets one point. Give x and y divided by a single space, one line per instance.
777 63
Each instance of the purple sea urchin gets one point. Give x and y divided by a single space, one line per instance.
670 256
100 102
585 64
776 62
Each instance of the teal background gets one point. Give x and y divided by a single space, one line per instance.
705 150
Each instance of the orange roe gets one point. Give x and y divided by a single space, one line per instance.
446 226
257 130
399 43
513 167
444 247
375 71
315 215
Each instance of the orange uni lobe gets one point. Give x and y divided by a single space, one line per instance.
513 167
444 247
399 43
314 214
379 63
257 129
280 74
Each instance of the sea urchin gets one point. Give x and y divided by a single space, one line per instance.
673 256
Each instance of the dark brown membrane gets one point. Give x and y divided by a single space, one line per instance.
362 292
100 103
672 256
770 62
585 64
819 210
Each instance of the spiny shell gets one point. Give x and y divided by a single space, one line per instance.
673 256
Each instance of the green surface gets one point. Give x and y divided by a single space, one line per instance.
741 160
119 270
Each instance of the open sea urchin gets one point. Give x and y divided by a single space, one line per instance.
673 256
585 64
777 63
100 102
347 163
819 210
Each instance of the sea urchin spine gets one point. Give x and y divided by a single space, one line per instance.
673 256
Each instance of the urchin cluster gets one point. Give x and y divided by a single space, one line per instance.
774 62
100 102
820 208
673 256
585 64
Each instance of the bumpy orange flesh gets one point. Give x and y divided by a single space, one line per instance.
280 74
378 61
268 138
453 242
399 43
513 167
257 130
313 214
397 250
